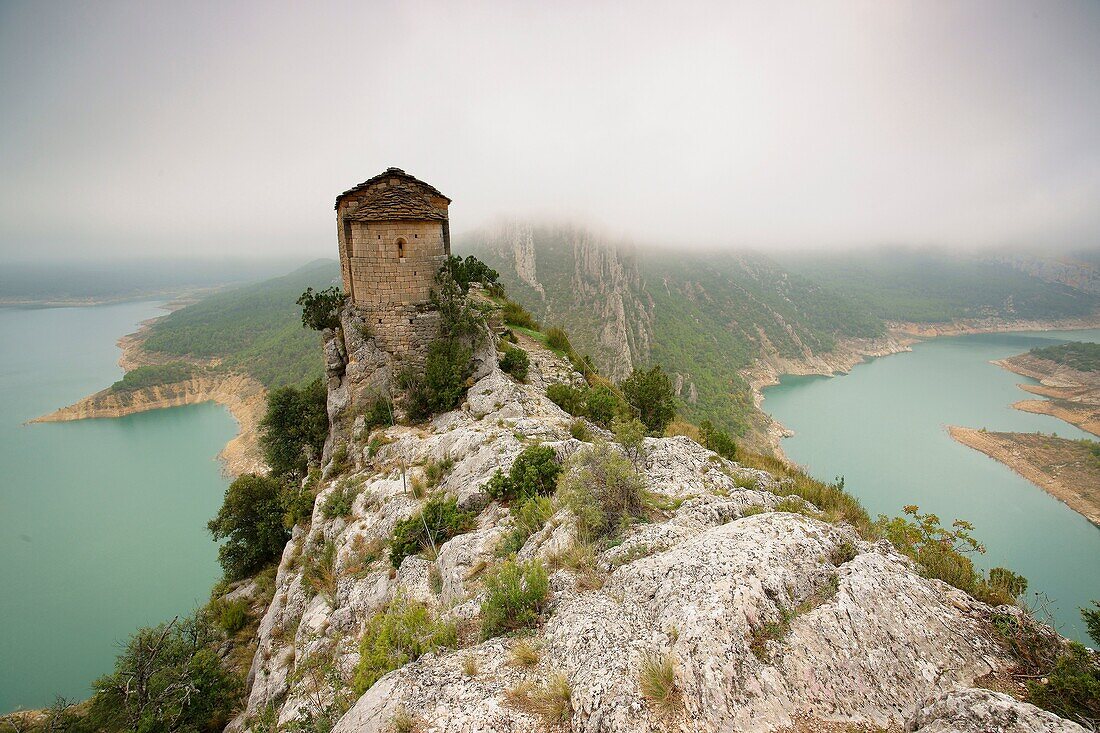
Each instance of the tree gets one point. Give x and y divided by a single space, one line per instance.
251 522
649 392
294 428
469 270
1092 620
168 679
321 310
717 441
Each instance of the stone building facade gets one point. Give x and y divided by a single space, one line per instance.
394 235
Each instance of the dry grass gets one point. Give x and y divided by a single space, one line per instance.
403 722
469 666
525 654
580 557
551 702
657 682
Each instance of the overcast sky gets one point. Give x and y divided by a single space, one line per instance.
229 127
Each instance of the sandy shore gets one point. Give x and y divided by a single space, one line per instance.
1063 468
1072 395
245 398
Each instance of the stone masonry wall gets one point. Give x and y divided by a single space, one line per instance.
378 273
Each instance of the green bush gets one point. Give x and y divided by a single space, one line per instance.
437 522
378 414
1072 688
630 434
168 678
603 490
516 315
339 502
570 399
529 516
515 362
232 616
469 270
650 394
297 504
251 522
533 473
602 405
1091 617
941 553
516 597
321 310
717 441
442 383
558 340
579 430
294 428
401 633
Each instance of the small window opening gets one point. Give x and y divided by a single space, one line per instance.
400 247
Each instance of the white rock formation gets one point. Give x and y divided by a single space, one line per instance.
768 618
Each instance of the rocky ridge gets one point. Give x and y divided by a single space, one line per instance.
855 634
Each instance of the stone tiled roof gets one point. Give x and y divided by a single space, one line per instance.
411 182
396 201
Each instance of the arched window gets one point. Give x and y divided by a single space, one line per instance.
400 247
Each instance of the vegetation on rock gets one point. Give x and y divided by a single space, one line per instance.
251 523
649 392
516 595
153 375
602 489
294 428
437 522
533 473
321 309
401 633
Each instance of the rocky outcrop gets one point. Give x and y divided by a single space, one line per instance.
765 617
964 711
242 395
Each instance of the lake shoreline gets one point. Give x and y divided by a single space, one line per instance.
900 337
1024 454
243 396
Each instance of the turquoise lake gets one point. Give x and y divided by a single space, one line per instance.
102 522
883 427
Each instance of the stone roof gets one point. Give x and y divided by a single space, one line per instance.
395 201
412 188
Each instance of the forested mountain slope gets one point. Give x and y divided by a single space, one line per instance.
707 316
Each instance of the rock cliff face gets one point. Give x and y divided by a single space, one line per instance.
768 619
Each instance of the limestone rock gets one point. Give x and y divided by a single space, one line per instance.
985 711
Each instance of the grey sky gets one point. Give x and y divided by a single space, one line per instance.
228 128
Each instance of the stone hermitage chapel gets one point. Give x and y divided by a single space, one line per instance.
394 236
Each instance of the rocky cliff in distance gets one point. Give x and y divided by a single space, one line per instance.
762 616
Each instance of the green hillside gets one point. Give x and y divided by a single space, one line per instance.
706 316
1083 356
255 328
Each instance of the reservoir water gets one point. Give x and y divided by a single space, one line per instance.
102 522
883 427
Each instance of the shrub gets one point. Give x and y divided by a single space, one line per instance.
717 441
630 434
339 502
297 504
558 340
232 616
321 310
515 362
378 414
1004 580
657 682
469 270
602 405
579 430
251 521
941 554
439 521
567 398
1091 617
650 393
516 315
533 473
516 596
401 633
442 383
529 517
1072 688
435 471
320 572
294 428
167 678
602 489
